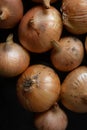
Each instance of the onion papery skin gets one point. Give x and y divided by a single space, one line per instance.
67 54
14 59
11 13
53 119
39 27
38 88
73 93
74 15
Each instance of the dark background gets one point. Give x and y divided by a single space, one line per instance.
12 115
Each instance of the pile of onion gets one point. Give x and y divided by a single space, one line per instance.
14 59
73 93
53 119
11 12
46 3
38 27
38 88
74 14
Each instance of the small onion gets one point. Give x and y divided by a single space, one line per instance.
46 3
53 119
11 12
38 27
14 59
38 88
73 93
67 54
74 14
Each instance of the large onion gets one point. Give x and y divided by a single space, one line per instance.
74 14
38 88
39 27
74 90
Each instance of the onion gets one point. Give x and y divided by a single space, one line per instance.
53 119
38 27
14 59
67 54
38 88
11 12
74 14
46 3
73 93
